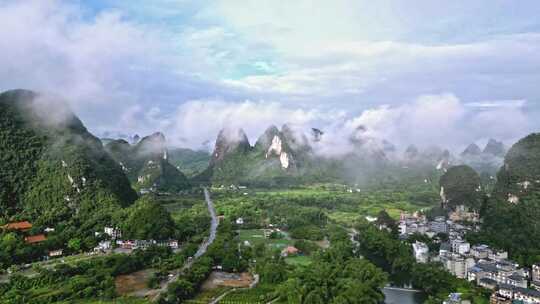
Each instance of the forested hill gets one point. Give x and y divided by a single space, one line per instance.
512 215
147 164
51 168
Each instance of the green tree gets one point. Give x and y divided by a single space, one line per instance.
74 244
147 219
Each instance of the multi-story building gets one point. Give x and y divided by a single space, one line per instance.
535 276
460 246
515 279
481 251
498 299
455 264
525 295
498 255
439 225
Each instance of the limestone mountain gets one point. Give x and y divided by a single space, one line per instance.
486 162
229 142
519 177
51 168
471 150
146 164
460 185
273 159
495 148
512 214
287 156
275 144
229 160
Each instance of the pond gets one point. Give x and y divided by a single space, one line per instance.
403 296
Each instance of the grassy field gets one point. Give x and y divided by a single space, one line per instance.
256 236
299 260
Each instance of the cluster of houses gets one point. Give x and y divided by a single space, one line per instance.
480 264
114 240
25 227
417 222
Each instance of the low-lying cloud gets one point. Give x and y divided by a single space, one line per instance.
442 120
128 75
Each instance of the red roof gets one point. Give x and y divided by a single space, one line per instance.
25 225
291 250
35 238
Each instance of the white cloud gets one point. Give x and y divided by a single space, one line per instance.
197 121
316 60
515 103
441 120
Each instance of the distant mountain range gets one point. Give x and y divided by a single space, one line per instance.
279 157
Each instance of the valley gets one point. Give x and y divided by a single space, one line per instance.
88 220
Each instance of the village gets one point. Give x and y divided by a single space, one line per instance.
477 263
110 241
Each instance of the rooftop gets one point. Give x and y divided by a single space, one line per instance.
526 291
24 225
35 238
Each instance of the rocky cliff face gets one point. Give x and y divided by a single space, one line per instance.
229 142
274 144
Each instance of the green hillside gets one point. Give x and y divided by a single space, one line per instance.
512 215
146 164
53 169
190 162
460 185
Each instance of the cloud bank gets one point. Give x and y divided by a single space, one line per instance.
190 69
442 120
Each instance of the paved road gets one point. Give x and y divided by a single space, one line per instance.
202 247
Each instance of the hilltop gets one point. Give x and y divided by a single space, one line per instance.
52 168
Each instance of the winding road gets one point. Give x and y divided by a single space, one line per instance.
203 247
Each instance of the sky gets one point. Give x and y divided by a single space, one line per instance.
431 72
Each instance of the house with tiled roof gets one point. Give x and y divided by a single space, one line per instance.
33 239
19 226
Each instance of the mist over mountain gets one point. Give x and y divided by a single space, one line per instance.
51 167
146 164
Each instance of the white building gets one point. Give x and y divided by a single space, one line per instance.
112 232
55 253
103 245
460 246
480 251
498 255
455 264
536 273
421 252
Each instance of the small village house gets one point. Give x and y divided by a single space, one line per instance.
34 239
18 226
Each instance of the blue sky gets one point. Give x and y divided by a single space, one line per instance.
393 66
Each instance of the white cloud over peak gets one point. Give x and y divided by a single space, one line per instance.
187 69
